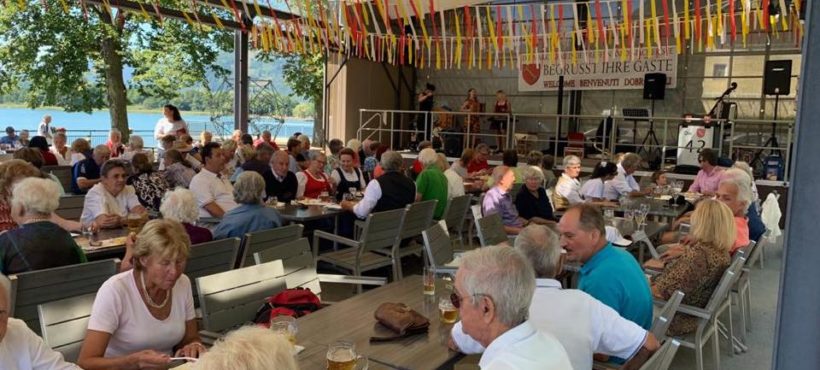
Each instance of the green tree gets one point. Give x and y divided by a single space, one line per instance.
304 73
75 60
304 110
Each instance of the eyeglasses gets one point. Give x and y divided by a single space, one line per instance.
455 299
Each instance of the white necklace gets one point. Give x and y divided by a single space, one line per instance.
148 298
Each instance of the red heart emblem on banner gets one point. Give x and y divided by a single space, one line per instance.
531 73
701 132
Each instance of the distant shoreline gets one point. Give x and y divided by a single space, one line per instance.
134 109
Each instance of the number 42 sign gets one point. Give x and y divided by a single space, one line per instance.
691 140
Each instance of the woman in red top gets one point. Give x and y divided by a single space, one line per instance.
471 105
499 123
115 144
313 181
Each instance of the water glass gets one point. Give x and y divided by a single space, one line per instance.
429 278
629 215
285 325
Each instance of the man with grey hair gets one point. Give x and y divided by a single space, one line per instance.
261 162
568 188
44 128
280 182
498 200
431 182
21 348
86 173
399 190
624 183
609 274
493 292
251 214
581 323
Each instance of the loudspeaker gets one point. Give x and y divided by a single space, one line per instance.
453 143
777 77
654 86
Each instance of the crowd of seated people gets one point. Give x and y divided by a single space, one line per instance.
513 309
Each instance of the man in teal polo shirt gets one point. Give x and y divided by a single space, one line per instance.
609 274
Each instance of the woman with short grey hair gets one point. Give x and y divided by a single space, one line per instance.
180 205
567 190
251 215
532 201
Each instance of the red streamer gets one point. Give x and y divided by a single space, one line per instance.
498 32
600 20
732 22
766 14
697 20
666 30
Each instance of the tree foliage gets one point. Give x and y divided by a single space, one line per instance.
58 58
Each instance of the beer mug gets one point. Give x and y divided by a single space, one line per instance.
134 222
285 325
342 356
448 313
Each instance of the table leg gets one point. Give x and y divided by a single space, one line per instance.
336 231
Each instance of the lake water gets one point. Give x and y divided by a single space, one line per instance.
140 123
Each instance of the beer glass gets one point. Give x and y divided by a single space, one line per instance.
285 325
342 356
429 277
134 221
447 312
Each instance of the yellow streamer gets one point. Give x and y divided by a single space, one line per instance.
686 32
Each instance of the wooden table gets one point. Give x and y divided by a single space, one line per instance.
352 320
114 251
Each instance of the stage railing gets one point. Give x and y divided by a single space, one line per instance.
654 138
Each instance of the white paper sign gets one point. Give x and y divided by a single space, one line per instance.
593 73
691 140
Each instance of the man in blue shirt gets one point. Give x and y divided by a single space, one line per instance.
86 173
10 138
609 274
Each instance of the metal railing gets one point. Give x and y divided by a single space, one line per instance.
654 138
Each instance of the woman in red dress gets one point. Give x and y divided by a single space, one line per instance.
313 181
472 125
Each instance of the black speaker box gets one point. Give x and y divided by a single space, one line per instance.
453 143
777 77
654 86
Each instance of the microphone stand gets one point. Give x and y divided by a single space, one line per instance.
711 114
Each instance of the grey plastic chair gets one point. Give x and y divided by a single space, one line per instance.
210 258
63 173
261 240
454 216
300 268
30 289
381 230
490 230
230 299
71 207
63 324
417 217
665 316
439 249
662 358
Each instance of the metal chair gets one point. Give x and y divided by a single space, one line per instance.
63 324
439 249
261 240
210 258
641 240
455 214
229 299
661 359
71 207
665 316
30 289
300 268
381 230
417 217
707 317
742 290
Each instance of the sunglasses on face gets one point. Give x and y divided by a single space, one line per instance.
455 299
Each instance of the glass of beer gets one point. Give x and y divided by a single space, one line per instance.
134 221
429 278
342 356
285 325
447 312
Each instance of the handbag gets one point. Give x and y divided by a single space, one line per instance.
401 319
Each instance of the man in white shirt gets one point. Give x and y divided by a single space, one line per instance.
44 128
214 192
109 202
400 190
581 323
567 190
624 183
493 290
21 348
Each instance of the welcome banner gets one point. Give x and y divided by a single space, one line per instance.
593 73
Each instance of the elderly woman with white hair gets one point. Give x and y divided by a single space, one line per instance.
312 182
136 145
568 189
38 243
251 214
114 143
143 316
431 183
249 348
455 183
180 205
532 202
